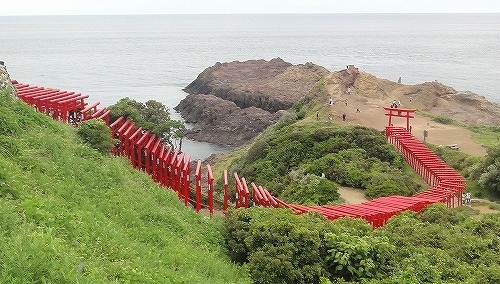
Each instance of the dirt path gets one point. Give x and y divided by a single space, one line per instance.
352 195
482 206
372 114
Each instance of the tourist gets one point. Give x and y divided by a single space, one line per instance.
343 116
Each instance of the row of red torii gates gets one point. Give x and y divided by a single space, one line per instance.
172 168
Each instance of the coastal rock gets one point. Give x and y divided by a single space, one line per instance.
269 85
231 103
221 121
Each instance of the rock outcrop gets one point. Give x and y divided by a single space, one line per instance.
222 122
5 83
231 103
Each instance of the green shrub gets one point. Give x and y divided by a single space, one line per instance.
290 253
439 214
257 151
236 230
443 119
353 257
97 134
310 190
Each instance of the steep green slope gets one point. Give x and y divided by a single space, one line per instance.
70 215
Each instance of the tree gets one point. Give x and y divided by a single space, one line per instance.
153 116
97 134
487 173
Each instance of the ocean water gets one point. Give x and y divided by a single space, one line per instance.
154 56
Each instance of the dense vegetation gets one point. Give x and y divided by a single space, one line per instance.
482 173
69 214
437 246
301 160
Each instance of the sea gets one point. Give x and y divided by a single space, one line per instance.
146 57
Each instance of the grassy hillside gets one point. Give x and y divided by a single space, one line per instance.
70 215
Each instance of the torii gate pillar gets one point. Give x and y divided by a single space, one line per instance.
400 112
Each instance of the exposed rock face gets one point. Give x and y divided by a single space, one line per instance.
231 103
222 122
5 83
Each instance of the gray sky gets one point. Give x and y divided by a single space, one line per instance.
111 7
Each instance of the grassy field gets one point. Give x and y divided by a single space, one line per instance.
488 136
70 215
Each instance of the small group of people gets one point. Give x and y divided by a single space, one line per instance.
330 116
396 104
466 198
75 116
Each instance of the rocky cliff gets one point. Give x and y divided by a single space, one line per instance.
231 103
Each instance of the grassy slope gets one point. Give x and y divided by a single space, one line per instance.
70 215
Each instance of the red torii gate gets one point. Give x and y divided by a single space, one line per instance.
400 112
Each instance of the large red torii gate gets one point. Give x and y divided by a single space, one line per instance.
400 112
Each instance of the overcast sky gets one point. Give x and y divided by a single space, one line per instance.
111 7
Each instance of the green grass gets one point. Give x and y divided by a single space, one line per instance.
494 206
441 119
71 215
488 136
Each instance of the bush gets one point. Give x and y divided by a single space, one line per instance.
97 134
257 151
281 247
237 229
439 214
310 189
353 257
443 119
386 188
